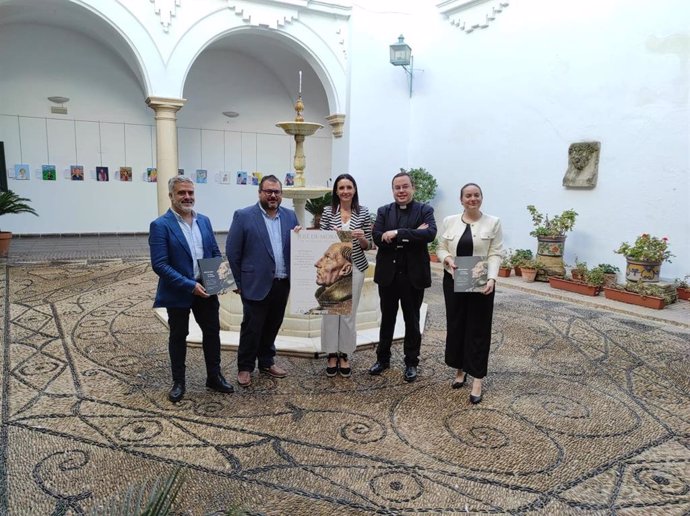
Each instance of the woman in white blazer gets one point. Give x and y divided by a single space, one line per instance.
339 332
469 315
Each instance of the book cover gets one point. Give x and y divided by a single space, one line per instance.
216 276
76 172
471 273
202 175
22 171
49 173
152 175
241 178
102 174
126 174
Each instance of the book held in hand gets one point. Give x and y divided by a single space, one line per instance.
216 276
471 273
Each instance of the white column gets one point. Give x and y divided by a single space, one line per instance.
166 144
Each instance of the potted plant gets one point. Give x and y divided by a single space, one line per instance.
590 285
519 256
551 234
11 203
578 272
644 257
529 269
506 264
425 184
640 293
610 274
682 288
316 206
433 245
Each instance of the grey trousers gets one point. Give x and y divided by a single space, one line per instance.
339 332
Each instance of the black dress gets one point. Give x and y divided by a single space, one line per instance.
468 321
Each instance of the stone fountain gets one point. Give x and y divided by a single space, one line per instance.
299 193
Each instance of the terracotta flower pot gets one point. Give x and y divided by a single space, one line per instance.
5 238
504 272
683 293
574 286
529 275
433 258
634 299
518 271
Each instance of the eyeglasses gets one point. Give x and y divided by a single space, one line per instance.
272 192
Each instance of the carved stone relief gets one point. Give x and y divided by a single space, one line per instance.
583 165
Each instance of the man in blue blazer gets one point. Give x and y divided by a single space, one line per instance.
178 239
402 231
258 249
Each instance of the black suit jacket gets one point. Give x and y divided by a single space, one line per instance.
413 241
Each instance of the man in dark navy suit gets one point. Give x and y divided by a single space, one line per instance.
258 249
178 239
402 231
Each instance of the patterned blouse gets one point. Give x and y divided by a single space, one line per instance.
361 220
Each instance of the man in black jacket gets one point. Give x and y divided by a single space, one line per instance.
402 231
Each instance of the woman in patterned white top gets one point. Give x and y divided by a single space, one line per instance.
339 332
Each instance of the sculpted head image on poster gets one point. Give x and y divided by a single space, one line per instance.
321 272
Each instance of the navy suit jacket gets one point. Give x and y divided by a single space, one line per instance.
410 241
249 250
171 259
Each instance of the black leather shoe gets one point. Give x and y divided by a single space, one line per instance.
177 392
219 384
474 400
410 373
457 384
332 371
378 368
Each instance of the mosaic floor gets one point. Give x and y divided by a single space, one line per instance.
584 411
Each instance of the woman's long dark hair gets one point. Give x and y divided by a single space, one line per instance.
335 202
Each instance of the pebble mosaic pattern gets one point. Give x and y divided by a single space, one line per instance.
583 412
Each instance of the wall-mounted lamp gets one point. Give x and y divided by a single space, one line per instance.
401 55
58 110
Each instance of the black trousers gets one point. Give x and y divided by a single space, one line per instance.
260 324
205 312
410 298
468 336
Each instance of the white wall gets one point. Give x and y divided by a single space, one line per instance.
500 107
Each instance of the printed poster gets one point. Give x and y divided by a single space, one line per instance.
22 171
76 172
48 172
201 175
321 272
126 174
241 177
152 175
102 174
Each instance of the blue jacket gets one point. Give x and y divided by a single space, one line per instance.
171 259
249 250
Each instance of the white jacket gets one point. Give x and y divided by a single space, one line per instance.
487 240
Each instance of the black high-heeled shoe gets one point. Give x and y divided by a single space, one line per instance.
457 384
474 400
332 371
345 372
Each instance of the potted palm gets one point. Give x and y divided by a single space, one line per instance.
316 206
551 234
11 203
644 257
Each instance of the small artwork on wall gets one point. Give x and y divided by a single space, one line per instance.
152 175
224 178
256 178
201 175
102 174
76 172
22 171
48 172
180 171
241 178
289 179
126 174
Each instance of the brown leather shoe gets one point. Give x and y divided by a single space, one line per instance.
275 371
244 378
